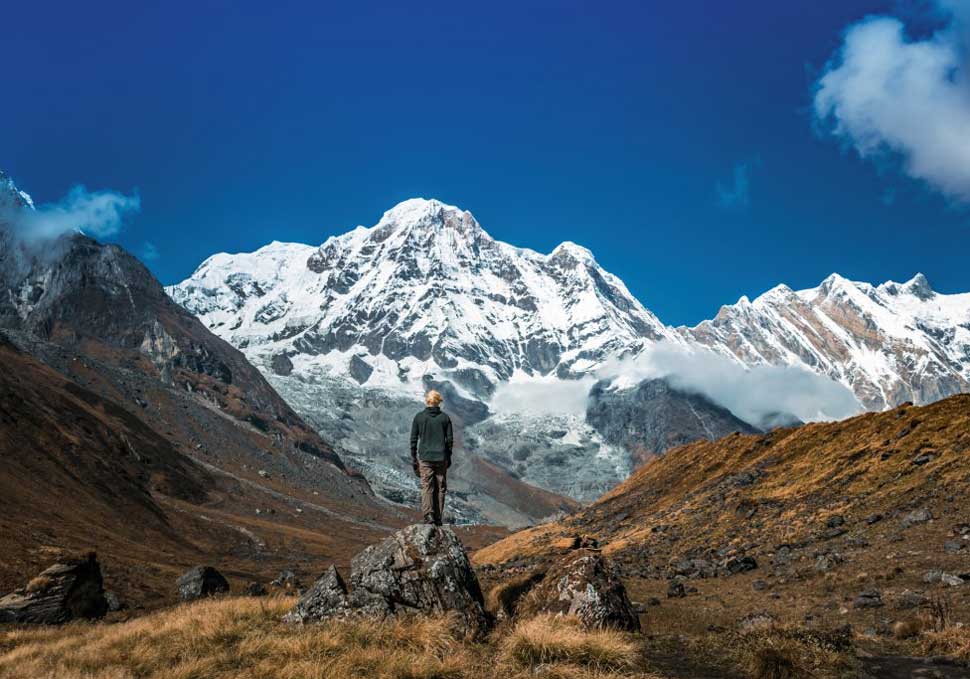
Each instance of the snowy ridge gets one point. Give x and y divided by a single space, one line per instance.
889 343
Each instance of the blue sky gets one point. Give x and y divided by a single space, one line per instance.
678 141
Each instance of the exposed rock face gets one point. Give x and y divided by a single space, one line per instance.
326 599
653 417
420 569
584 586
200 582
66 591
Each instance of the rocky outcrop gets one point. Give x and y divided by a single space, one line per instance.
584 586
201 582
653 417
66 591
420 569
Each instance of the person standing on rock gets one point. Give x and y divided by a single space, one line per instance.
431 442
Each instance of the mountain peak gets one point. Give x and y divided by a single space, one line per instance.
570 249
919 286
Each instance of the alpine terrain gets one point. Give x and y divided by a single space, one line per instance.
128 427
525 347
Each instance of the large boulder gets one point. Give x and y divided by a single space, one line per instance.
584 586
201 582
70 589
420 569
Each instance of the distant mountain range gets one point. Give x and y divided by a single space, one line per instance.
352 331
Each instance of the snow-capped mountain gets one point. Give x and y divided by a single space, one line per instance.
888 343
426 291
352 331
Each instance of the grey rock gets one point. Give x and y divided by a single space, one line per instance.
327 598
871 598
835 521
954 546
909 600
587 587
256 589
201 582
66 591
360 369
420 569
916 517
114 602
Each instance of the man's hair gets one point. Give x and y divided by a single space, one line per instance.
433 398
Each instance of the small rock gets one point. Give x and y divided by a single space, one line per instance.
287 580
200 582
953 546
870 598
255 589
676 590
756 621
826 562
909 600
916 517
951 580
920 460
740 565
873 518
114 603
759 585
265 474
652 601
835 521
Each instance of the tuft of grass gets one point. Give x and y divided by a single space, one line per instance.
548 639
951 641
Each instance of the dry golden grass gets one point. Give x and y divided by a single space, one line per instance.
952 641
243 638
547 640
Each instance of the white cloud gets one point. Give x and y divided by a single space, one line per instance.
886 93
751 394
99 214
539 395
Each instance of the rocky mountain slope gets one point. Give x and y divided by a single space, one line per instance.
123 415
889 343
860 521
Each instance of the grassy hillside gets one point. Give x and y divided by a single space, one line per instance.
863 522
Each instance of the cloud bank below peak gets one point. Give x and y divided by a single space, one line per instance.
887 94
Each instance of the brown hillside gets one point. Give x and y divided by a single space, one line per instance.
81 472
795 523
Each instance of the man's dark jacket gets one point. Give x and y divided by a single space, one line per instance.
431 435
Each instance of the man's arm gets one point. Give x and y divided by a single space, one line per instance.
449 441
414 439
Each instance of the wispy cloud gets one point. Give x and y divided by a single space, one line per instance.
752 394
885 93
736 195
99 214
149 252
